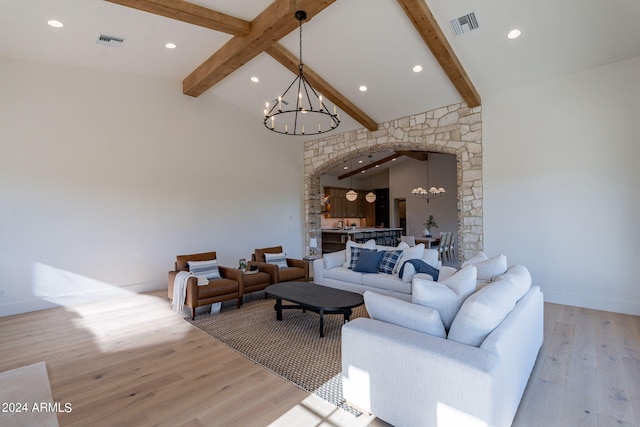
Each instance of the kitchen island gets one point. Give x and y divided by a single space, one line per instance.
335 239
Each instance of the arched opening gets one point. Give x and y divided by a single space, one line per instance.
455 129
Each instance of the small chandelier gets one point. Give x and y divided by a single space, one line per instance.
431 193
307 114
371 195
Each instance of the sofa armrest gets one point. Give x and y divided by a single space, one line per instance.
170 282
230 273
265 267
300 263
410 378
318 271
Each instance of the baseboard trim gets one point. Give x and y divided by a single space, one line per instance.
595 303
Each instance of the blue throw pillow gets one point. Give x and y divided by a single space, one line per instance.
368 261
389 261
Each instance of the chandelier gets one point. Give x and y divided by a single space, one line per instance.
371 195
431 193
305 112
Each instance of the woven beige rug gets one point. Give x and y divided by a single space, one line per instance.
25 396
292 348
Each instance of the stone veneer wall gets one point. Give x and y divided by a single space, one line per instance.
455 129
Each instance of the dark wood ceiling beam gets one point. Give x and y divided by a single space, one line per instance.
418 155
273 23
192 14
291 62
369 166
428 28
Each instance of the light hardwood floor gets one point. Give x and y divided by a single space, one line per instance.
132 361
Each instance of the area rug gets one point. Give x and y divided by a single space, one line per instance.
25 395
292 348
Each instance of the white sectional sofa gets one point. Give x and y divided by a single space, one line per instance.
333 270
410 366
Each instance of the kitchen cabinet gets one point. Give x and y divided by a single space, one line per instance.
340 207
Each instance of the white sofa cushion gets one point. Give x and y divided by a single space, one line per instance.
387 282
489 268
334 259
520 277
402 313
483 311
410 252
369 244
344 274
447 295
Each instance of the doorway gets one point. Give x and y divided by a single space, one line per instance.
400 212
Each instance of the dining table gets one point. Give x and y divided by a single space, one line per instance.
428 241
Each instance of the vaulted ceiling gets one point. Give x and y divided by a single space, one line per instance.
221 44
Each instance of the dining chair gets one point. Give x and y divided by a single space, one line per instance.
409 240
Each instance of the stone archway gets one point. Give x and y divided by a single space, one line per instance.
455 129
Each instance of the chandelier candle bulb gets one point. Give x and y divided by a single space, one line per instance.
304 104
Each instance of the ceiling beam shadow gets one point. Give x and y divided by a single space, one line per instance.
428 28
191 13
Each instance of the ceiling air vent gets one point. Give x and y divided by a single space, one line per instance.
464 24
110 40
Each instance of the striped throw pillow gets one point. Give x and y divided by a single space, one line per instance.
208 269
279 259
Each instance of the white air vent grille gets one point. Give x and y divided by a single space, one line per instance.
110 40
464 24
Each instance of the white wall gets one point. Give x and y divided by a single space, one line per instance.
562 184
105 178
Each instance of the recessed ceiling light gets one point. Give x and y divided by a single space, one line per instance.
346 167
377 166
170 45
417 68
514 34
363 88
360 161
55 23
255 79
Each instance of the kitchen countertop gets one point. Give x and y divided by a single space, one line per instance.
357 230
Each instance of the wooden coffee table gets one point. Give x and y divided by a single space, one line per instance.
317 298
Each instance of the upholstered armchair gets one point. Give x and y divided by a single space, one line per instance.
280 268
227 287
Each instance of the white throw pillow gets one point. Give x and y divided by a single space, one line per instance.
489 268
369 244
445 296
334 259
208 269
402 313
410 252
520 277
482 312
279 259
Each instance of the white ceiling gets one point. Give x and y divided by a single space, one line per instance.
350 43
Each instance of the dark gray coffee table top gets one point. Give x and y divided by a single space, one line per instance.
317 298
